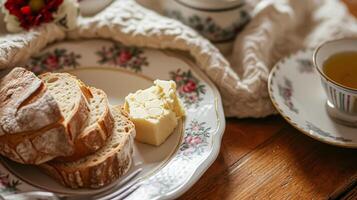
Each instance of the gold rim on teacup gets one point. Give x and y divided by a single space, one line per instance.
319 67
341 102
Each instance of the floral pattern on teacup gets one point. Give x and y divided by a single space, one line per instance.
209 28
189 87
54 60
123 56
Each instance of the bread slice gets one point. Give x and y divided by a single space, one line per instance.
98 128
36 147
71 97
25 103
106 165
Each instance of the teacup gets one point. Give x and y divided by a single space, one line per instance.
341 101
217 20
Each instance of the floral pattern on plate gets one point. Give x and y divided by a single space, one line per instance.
306 66
312 127
123 56
286 91
189 87
194 148
7 184
54 60
196 135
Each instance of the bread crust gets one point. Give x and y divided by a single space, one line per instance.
38 147
33 128
25 103
95 173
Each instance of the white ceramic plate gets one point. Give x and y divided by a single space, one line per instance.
296 91
168 170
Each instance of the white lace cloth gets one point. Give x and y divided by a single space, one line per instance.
276 30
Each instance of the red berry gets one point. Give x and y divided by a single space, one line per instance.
26 10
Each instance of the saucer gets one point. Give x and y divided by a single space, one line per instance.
296 92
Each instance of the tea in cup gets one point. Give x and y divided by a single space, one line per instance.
336 63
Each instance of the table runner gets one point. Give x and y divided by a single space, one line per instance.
277 29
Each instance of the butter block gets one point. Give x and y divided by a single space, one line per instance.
155 112
169 91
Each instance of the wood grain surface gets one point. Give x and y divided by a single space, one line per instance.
269 159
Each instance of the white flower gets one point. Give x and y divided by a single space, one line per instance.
12 24
67 13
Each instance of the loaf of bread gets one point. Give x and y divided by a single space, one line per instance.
55 139
66 128
105 165
25 103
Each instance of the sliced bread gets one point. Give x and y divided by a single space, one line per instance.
36 147
25 103
98 128
105 166
71 97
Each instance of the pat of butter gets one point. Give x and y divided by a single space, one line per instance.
155 112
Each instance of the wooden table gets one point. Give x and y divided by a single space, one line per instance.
269 159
